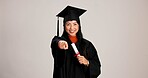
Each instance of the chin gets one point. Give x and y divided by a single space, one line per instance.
72 34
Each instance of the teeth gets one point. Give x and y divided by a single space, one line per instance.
71 31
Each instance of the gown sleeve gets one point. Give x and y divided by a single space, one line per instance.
58 54
94 62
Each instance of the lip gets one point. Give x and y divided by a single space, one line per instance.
71 31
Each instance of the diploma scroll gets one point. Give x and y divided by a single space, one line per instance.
75 49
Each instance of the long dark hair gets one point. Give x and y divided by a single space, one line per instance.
81 41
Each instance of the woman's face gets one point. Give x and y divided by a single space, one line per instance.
72 27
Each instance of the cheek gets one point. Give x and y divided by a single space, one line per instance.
77 28
66 28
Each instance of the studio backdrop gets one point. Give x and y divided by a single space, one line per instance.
117 28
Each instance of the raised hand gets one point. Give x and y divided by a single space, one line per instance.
63 44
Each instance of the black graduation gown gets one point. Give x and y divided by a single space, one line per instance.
66 64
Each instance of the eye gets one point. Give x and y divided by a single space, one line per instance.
75 24
67 24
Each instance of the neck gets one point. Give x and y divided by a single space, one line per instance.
73 39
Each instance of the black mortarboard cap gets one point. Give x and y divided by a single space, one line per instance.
69 13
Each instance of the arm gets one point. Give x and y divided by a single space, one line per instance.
57 53
54 45
94 62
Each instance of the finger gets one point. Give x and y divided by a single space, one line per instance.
80 62
60 44
82 59
66 45
79 57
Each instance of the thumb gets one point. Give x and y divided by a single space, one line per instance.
66 45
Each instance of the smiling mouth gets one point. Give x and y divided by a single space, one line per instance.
72 31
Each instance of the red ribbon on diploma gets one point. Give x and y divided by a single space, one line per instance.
77 54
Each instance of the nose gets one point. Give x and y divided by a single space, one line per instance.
71 26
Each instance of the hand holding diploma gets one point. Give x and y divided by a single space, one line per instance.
81 59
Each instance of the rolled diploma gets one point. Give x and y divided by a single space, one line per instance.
75 49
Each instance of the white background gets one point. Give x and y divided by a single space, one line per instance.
117 28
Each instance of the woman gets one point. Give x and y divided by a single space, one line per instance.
67 64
